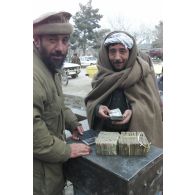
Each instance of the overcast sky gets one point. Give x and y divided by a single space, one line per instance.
137 12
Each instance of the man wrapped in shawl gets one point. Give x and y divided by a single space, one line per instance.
125 80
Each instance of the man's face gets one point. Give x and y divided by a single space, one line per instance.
53 49
118 56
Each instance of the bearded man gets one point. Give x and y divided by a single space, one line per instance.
125 80
50 115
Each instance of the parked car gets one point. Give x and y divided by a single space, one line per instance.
70 69
158 66
91 71
87 60
156 53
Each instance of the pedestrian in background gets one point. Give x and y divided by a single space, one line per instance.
125 80
51 34
75 59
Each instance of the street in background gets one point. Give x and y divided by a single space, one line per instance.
87 60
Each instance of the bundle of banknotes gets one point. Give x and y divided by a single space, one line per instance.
133 143
116 114
126 143
107 143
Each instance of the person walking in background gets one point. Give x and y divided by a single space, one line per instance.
75 59
125 80
51 34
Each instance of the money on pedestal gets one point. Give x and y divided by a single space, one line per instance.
107 143
133 143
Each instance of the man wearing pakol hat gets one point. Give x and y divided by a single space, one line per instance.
125 80
51 34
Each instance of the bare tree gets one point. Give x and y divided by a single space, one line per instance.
119 23
158 42
143 35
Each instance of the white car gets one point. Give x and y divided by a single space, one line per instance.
158 67
87 61
71 69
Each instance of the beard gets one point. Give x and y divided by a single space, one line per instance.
118 65
53 60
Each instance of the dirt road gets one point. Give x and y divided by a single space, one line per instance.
79 86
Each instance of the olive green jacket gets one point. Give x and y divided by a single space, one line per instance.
49 118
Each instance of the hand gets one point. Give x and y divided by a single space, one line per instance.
126 117
77 131
79 150
103 111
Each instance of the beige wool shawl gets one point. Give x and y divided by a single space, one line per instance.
137 81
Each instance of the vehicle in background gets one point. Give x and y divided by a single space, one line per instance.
91 71
156 53
87 60
158 66
70 69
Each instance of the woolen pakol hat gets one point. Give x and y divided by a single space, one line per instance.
53 23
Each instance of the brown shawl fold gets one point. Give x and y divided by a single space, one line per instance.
139 86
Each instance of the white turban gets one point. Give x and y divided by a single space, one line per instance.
119 38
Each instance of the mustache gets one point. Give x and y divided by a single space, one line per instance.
117 62
57 54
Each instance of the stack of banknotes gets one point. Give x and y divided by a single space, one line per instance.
116 114
133 143
107 143
125 144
